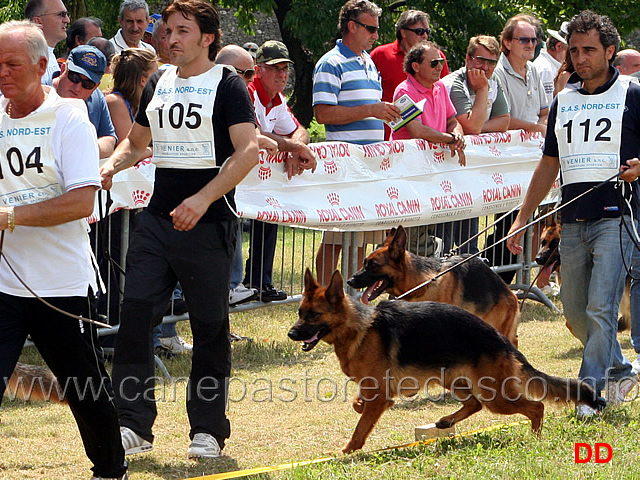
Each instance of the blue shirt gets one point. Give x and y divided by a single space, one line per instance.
343 78
99 115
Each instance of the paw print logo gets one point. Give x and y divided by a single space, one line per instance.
273 202
264 172
392 192
446 186
495 151
334 199
497 178
143 162
330 167
385 164
438 157
140 197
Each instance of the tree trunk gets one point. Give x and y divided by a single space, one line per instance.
300 102
76 8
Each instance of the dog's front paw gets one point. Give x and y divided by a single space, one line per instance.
444 422
352 446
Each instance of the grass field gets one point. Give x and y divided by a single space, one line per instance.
287 406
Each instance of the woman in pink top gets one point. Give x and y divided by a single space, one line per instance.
437 123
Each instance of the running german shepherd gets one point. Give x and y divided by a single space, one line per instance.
396 348
472 286
33 383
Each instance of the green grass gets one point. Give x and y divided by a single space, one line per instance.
288 406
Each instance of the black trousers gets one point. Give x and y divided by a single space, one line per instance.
70 349
200 259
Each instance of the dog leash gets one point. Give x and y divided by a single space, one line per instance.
521 229
59 310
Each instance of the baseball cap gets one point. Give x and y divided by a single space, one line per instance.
153 18
272 52
252 48
560 35
88 61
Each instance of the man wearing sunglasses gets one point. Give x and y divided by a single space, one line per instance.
520 80
53 18
475 91
412 28
80 78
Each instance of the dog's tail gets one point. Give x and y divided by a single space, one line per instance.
33 383
552 389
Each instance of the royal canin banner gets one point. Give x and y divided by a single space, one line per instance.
408 182
132 188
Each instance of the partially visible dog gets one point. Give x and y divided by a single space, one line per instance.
472 285
399 348
548 258
33 383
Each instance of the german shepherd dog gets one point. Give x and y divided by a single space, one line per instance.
472 286
396 348
33 383
548 257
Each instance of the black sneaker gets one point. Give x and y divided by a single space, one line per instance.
176 307
164 353
270 294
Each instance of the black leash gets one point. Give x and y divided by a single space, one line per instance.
521 229
59 310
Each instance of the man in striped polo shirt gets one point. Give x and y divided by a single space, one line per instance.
347 88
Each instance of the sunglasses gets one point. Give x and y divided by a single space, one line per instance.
251 49
434 63
85 82
370 28
248 73
526 40
491 62
419 31
62 14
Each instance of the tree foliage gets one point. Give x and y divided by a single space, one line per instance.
309 27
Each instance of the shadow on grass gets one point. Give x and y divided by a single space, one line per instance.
187 469
255 355
575 352
435 398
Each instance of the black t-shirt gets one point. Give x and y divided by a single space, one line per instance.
172 185
605 201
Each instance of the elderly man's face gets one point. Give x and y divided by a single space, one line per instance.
133 23
19 76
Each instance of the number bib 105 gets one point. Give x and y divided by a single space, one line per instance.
180 115
589 129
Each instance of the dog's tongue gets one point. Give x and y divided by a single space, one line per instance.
545 274
367 294
312 339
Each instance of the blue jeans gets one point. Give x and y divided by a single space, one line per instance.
635 298
592 282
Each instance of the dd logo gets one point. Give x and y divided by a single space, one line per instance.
598 447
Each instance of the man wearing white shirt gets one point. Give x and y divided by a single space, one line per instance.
133 19
52 16
550 59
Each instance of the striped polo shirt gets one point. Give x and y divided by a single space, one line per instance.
343 78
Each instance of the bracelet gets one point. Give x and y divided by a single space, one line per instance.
453 139
11 219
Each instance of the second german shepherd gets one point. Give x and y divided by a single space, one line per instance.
33 383
472 286
399 348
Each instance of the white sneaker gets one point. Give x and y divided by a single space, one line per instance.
134 443
636 364
584 411
204 445
176 344
242 294
617 391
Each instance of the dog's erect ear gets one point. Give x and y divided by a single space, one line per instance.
335 290
310 283
399 244
550 221
390 235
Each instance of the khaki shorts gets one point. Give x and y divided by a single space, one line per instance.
362 238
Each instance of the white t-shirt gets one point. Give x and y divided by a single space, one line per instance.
52 67
547 67
47 153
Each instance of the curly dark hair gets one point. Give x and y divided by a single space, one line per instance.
588 20
352 10
415 55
